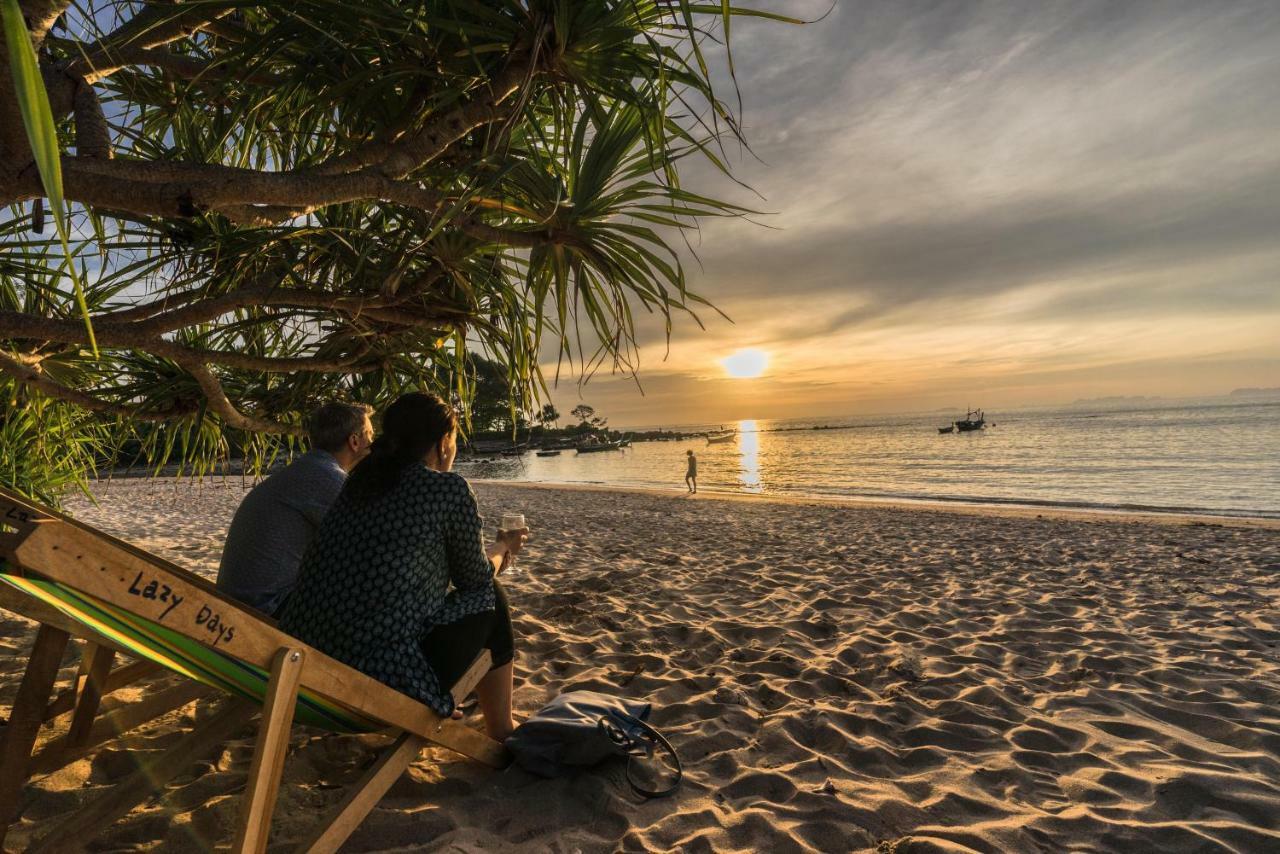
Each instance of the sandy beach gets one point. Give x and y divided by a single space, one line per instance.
836 677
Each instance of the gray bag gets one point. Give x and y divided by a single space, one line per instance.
582 728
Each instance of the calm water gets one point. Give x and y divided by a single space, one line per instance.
1217 457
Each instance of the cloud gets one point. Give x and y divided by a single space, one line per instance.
1070 177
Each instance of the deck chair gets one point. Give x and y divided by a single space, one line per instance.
79 582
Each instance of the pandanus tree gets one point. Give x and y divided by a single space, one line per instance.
267 204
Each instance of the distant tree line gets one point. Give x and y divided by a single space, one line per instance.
495 413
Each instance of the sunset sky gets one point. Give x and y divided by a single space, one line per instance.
996 203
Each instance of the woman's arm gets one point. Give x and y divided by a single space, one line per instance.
471 565
497 554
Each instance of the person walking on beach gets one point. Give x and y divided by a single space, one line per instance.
280 516
691 474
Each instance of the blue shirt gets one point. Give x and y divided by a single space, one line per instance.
272 528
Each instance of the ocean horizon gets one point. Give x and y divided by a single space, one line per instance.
1217 456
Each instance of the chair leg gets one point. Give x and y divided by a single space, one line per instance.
116 679
56 754
95 667
268 755
90 820
343 819
26 718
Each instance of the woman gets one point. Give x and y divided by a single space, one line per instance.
373 589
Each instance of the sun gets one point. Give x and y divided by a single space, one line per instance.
745 364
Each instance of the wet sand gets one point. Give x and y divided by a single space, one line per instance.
836 676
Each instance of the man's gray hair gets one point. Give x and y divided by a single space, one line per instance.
329 426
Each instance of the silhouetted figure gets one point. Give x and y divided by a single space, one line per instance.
691 474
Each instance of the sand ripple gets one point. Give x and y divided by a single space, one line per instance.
836 679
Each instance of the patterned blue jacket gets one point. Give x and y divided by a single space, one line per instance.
382 573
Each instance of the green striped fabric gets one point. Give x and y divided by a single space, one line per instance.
150 640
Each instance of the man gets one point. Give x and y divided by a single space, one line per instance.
277 520
691 474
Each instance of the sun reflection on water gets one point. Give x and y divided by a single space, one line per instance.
749 457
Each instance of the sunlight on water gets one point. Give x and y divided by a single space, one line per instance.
749 449
1214 456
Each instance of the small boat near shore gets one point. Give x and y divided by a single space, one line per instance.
602 446
721 437
948 429
552 453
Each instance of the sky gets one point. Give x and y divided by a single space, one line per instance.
993 204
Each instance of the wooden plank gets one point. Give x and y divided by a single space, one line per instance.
94 817
95 665
87 656
56 754
469 680
119 678
124 676
15 506
81 560
344 818
26 718
268 754
17 518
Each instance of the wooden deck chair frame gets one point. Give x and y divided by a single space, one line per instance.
96 679
39 543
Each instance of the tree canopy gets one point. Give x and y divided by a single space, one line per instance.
271 204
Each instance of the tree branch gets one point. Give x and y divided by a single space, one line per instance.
184 189
41 15
37 379
398 159
154 26
179 65
122 185
219 403
93 138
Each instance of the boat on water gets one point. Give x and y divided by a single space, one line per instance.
548 453
948 429
721 436
973 420
599 446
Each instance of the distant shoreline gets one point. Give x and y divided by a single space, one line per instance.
996 507
924 502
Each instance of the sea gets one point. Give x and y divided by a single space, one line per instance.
1219 457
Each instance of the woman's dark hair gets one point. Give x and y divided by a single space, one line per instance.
412 425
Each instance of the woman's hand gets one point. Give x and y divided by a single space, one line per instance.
514 541
497 554
504 550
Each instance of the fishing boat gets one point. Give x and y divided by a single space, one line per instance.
973 420
721 436
949 428
600 446
548 453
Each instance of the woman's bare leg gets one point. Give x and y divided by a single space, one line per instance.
494 694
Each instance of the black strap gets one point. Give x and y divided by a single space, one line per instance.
643 747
